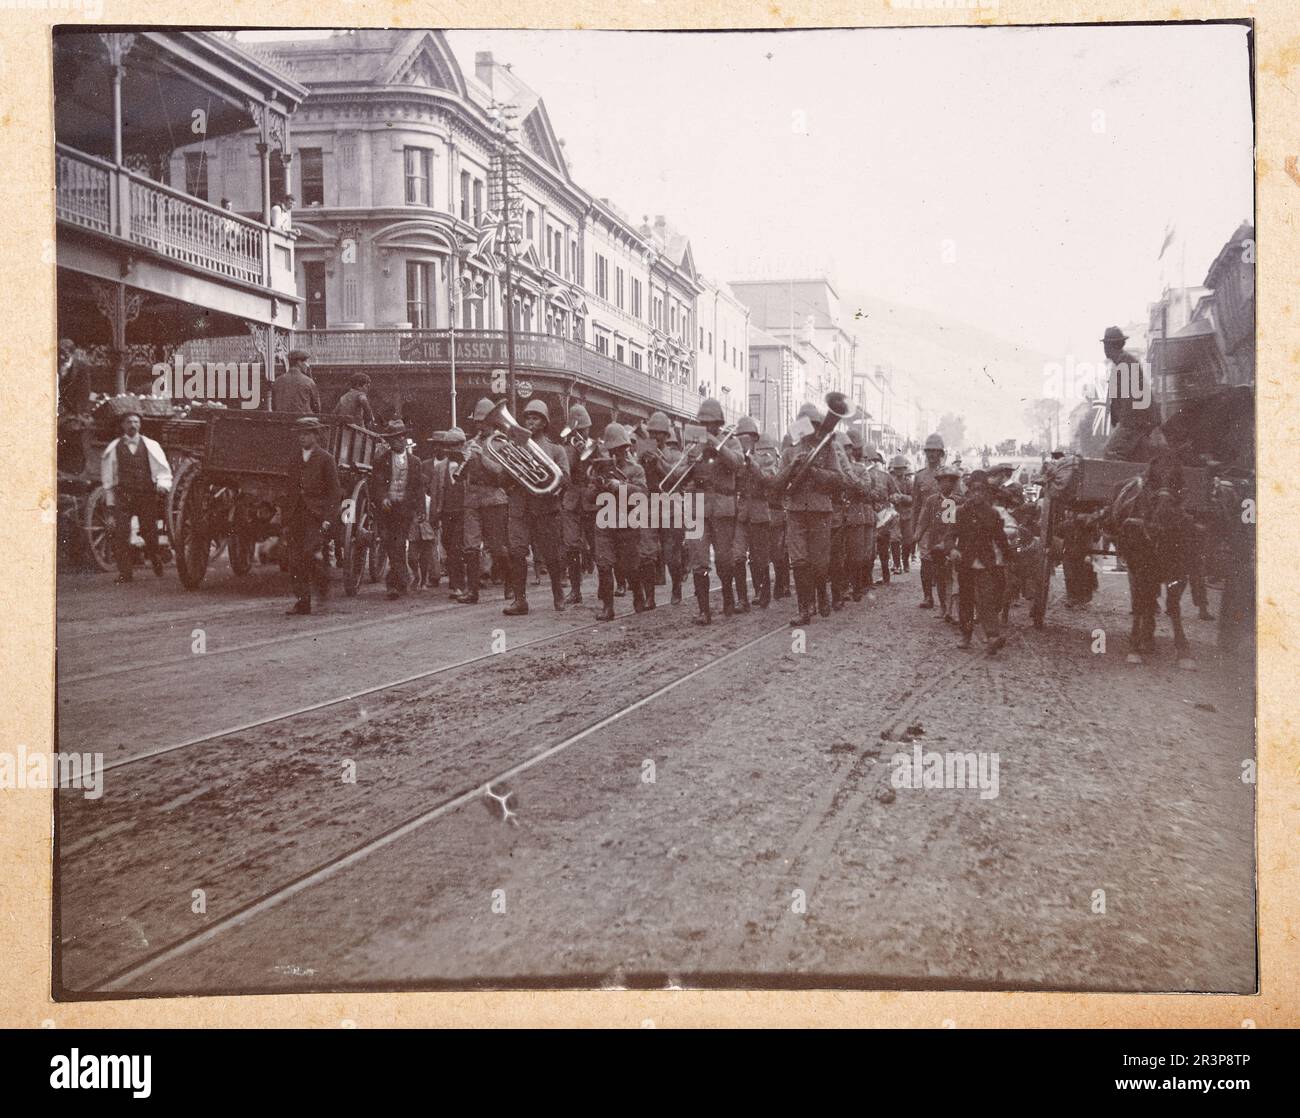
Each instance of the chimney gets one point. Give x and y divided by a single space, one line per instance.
483 66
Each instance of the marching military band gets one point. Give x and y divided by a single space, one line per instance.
817 512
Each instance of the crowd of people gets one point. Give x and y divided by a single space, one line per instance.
818 517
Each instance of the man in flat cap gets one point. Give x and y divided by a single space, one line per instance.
295 391
310 511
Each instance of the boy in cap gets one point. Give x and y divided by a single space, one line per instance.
981 555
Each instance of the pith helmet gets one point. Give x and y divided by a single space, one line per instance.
855 437
710 411
658 424
934 442
481 410
578 417
746 426
810 411
538 407
874 455
615 436
898 462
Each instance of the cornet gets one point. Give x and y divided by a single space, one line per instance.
509 444
585 446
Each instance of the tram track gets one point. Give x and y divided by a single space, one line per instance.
265 902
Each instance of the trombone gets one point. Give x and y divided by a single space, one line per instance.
685 465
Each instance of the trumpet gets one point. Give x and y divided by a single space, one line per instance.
837 408
509 444
685 465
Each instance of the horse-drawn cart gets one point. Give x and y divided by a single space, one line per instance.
233 488
1074 490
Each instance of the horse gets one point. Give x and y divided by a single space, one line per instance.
1157 541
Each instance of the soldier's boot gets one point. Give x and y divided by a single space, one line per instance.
605 592
677 587
620 583
660 569
575 582
518 572
803 594
782 589
649 571
742 587
473 574
557 587
705 616
837 593
728 594
634 581
927 584
762 584
823 598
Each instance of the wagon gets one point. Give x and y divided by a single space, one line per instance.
1082 487
231 490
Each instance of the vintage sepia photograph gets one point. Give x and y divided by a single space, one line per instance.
654 509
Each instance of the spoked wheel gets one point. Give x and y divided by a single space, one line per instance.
190 541
1038 609
358 531
99 537
377 560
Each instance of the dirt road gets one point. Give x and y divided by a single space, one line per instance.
742 825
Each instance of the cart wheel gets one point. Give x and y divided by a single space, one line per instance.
358 527
1038 610
190 540
240 549
99 540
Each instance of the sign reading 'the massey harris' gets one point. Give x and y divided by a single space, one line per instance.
547 353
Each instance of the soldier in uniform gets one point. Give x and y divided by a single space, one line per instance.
924 485
311 509
808 518
715 477
485 507
901 547
574 503
534 521
753 518
776 510
671 539
859 519
934 531
613 469
451 509
881 536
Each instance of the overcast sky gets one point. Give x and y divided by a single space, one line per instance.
1053 160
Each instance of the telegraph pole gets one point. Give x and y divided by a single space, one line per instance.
509 207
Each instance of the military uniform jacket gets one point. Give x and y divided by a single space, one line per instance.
716 479
754 484
482 480
821 480
520 498
859 510
924 483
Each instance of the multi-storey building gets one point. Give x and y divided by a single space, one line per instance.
722 346
413 181
804 313
146 262
776 377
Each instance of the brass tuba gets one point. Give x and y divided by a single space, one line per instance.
512 448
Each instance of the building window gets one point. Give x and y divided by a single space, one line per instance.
528 225
724 349
313 272
573 260
602 276
618 288
312 176
656 312
755 404
673 312
636 298
464 195
701 337
602 344
419 294
636 360
710 341
478 202
279 182
618 353
196 174
418 167
753 364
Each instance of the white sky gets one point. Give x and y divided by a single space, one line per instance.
984 137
